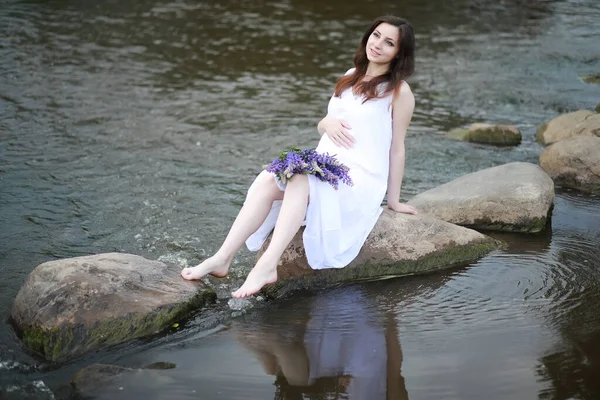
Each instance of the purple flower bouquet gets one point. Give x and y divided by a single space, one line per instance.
309 162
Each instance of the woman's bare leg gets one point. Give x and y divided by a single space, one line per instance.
291 215
249 219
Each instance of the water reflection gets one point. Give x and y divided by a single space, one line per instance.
341 345
572 364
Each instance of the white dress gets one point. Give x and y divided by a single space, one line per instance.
339 221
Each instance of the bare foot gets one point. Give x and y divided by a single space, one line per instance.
214 266
257 278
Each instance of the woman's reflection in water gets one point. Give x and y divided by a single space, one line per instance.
337 345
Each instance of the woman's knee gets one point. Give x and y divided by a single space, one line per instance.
267 185
299 180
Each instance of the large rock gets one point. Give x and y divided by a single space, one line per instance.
399 244
69 307
574 163
514 197
499 135
578 123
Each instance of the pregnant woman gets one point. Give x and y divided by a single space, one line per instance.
365 127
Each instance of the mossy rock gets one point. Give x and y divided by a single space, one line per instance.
69 307
398 245
591 78
497 135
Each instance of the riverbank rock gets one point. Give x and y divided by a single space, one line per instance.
399 244
498 135
514 197
574 163
69 307
578 123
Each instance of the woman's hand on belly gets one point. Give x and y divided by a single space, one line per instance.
337 131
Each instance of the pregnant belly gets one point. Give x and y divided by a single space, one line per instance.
364 157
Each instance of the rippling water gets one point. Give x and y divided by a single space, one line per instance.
137 126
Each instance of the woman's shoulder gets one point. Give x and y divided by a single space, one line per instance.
403 98
351 70
404 92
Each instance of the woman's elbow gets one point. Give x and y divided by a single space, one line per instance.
397 151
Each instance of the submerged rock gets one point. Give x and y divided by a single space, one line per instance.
106 381
239 304
578 123
499 135
90 380
69 307
161 365
399 244
514 197
574 163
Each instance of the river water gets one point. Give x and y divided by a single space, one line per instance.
137 126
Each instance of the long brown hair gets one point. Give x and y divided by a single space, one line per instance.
401 67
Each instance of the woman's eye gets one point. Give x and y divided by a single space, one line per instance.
390 43
375 34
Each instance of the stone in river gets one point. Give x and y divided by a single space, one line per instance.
499 135
514 197
106 380
577 123
71 306
592 78
574 163
399 244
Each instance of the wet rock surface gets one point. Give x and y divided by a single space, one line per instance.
577 123
574 163
71 306
514 197
498 135
399 244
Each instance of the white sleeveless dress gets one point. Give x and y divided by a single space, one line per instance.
339 221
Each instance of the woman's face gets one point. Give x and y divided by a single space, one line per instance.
382 45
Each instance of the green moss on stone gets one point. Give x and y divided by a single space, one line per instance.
495 136
492 136
48 343
458 134
591 78
66 341
443 259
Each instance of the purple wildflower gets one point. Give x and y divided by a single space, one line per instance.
324 166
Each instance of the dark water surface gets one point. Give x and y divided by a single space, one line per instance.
137 126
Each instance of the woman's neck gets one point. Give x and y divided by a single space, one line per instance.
374 70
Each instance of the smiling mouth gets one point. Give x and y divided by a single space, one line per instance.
374 53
